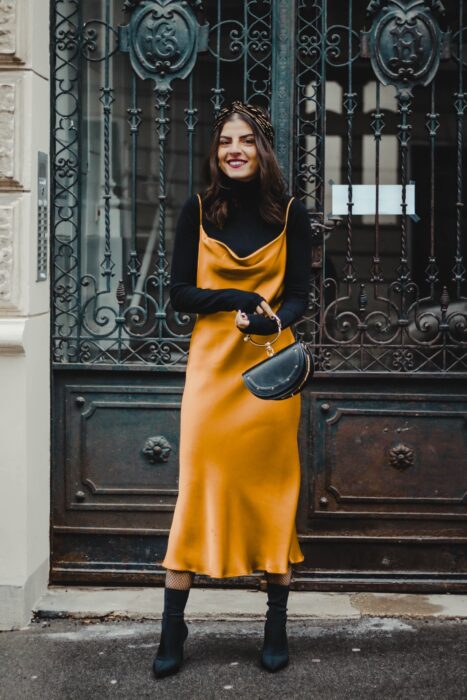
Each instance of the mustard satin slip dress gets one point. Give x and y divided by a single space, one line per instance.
239 462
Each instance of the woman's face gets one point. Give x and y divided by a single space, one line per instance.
237 153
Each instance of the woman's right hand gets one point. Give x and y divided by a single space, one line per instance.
252 303
242 320
248 302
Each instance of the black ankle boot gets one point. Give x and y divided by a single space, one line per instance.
275 651
169 656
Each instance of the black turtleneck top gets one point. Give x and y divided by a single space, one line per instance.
244 232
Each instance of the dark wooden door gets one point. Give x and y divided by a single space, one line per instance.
363 95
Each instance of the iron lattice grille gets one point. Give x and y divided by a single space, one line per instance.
394 305
387 292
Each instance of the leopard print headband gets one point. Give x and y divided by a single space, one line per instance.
261 121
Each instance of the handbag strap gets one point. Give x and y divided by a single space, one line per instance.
269 343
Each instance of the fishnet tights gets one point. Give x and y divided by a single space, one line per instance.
181 580
281 579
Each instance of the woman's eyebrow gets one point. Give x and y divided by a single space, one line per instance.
243 136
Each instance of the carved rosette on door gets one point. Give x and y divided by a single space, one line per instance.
157 450
401 457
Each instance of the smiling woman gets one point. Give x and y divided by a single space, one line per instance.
241 246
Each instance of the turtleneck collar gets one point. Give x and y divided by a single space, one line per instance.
242 192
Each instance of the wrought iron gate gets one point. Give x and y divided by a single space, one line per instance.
368 101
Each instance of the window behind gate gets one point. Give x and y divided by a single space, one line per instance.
368 101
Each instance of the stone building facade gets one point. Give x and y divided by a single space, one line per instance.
24 312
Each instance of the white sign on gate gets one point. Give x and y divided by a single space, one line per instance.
364 199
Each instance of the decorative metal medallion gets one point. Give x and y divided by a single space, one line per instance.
157 450
405 42
163 38
401 457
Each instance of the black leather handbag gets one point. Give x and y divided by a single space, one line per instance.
281 375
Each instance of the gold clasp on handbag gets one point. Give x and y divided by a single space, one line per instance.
268 344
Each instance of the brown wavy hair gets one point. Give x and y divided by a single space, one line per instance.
272 203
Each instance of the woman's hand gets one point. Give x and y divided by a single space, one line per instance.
242 321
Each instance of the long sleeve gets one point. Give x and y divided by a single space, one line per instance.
297 274
184 294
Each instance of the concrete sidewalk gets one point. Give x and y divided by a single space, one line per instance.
209 604
359 659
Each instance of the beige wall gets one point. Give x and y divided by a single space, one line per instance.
24 312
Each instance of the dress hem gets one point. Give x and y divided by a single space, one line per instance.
230 575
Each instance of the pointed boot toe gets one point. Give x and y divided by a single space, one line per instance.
166 667
274 662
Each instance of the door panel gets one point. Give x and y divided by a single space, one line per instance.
391 453
114 458
119 453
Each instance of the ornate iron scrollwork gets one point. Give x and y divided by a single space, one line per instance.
405 43
388 318
162 39
157 450
401 457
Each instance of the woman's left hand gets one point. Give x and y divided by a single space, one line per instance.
241 320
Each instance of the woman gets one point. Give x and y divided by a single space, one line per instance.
241 254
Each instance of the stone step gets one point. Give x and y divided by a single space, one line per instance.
147 603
